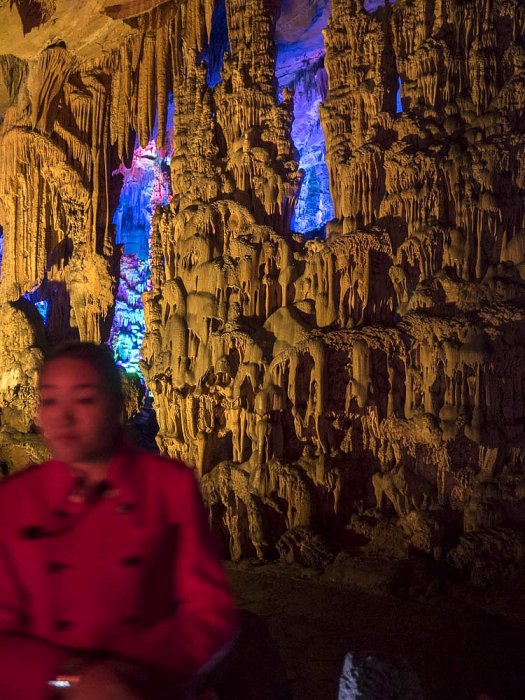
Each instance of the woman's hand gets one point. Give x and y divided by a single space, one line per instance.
103 681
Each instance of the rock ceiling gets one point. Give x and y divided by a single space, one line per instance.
372 380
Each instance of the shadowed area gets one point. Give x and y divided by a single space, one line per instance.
456 649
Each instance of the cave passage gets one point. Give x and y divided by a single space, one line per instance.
146 185
300 66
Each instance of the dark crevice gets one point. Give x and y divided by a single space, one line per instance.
219 44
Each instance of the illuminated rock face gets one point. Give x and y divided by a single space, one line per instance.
69 113
372 379
300 67
146 186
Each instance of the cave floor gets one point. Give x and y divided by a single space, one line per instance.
457 648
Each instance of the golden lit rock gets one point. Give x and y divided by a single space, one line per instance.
312 382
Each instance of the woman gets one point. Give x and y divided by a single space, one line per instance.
110 588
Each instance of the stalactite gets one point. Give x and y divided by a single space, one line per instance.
46 77
146 90
280 366
162 72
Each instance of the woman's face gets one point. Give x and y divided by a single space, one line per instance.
77 416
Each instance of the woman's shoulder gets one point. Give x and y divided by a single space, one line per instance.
23 478
23 486
171 478
162 466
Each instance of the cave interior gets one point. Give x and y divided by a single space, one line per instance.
300 225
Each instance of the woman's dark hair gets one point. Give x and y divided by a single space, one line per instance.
98 356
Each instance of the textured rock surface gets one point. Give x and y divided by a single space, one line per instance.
372 379
369 678
77 81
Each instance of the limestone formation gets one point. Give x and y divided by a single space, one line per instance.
21 330
371 379
72 96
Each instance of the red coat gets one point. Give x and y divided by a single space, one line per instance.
132 573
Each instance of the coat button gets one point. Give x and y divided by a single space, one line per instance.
32 532
125 507
55 567
131 561
62 625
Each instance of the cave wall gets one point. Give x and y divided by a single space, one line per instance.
79 83
370 381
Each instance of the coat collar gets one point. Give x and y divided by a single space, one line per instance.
61 480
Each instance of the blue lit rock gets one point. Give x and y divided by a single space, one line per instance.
370 678
128 326
146 186
300 67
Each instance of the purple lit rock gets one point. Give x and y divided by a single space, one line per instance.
128 326
300 56
302 23
146 186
